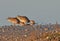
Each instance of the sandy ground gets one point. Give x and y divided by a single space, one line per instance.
30 33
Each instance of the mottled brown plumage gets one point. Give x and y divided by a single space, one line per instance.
23 19
32 22
13 20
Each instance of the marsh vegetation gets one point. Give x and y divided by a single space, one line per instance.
30 33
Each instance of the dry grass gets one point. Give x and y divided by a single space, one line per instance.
30 33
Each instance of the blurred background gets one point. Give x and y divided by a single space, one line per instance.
42 11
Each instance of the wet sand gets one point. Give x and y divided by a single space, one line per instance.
30 33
